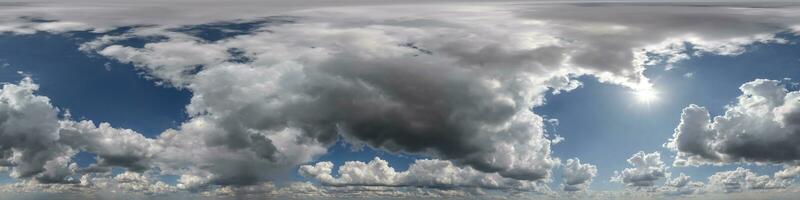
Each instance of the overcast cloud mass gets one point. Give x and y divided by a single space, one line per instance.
275 91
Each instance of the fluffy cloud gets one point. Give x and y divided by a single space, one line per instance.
761 126
29 137
202 156
682 185
35 143
789 172
422 173
113 147
647 169
743 179
577 176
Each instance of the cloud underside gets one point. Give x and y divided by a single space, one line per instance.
453 83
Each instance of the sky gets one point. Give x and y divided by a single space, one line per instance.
413 100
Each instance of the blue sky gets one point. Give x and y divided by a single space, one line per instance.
608 125
84 85
219 102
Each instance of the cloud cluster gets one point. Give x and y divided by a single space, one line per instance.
372 86
393 82
36 143
577 176
112 146
682 185
29 135
422 173
761 126
453 82
743 179
647 169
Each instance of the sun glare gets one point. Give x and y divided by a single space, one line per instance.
646 96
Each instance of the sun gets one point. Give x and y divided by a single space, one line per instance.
646 96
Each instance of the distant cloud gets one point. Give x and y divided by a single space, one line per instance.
689 75
421 173
682 185
577 176
743 179
647 169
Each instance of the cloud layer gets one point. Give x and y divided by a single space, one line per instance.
421 173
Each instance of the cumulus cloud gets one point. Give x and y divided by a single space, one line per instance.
682 185
743 179
577 176
647 169
113 147
201 156
35 143
422 173
761 126
789 172
29 137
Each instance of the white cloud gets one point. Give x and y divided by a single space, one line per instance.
761 126
174 60
113 147
21 26
29 134
647 169
743 179
788 172
137 182
682 185
577 176
422 173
